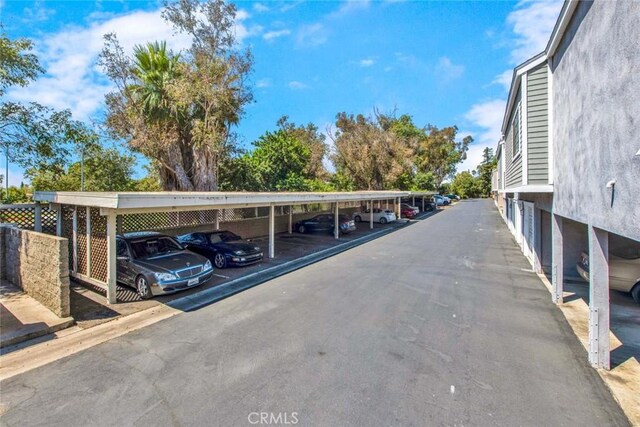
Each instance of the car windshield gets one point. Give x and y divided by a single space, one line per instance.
143 248
225 236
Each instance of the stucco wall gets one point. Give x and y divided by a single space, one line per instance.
38 263
596 117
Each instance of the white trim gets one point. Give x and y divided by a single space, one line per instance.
517 115
524 129
531 188
180 201
561 26
550 120
516 81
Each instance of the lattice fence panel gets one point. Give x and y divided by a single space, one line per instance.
166 220
67 230
98 245
82 240
23 217
49 218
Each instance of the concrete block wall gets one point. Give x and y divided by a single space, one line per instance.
39 264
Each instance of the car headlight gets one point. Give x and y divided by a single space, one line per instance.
165 276
238 252
207 266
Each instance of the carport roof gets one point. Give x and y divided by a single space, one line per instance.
175 200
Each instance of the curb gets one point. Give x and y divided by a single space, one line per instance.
7 340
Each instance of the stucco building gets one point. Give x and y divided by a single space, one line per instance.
568 177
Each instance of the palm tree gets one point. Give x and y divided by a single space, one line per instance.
155 67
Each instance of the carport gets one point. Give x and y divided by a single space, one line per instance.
421 197
91 220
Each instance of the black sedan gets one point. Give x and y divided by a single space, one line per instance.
325 222
223 248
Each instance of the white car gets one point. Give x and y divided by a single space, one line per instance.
441 200
624 270
382 216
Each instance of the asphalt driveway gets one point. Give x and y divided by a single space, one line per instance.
439 323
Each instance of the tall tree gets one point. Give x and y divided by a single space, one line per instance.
178 110
464 185
440 153
367 153
34 135
104 170
314 140
485 170
18 65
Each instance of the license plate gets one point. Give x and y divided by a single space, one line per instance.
192 282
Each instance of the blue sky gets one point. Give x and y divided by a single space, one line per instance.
444 63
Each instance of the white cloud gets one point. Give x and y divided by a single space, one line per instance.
296 85
290 5
504 79
447 70
262 83
367 62
312 35
488 117
532 23
474 157
271 35
37 13
73 79
260 7
349 6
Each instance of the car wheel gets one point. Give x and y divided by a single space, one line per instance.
357 218
635 293
301 229
220 261
383 220
143 287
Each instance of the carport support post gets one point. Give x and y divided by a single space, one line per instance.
422 203
537 240
88 240
398 209
74 241
37 218
371 215
599 352
111 258
272 231
557 263
217 224
58 209
290 219
336 223
413 203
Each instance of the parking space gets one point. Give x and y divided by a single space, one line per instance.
89 307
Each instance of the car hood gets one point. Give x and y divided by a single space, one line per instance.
238 245
171 261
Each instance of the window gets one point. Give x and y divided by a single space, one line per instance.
515 126
121 248
154 246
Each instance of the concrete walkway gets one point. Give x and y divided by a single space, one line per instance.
23 318
439 323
